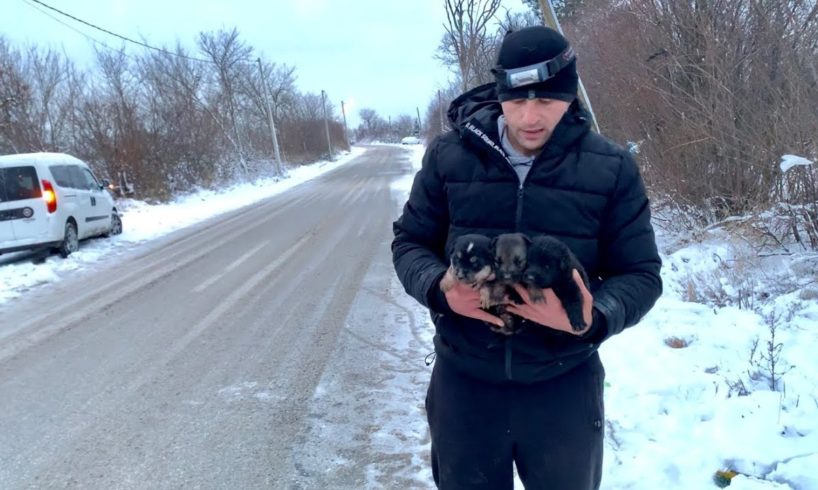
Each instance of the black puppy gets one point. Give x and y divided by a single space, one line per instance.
550 264
472 263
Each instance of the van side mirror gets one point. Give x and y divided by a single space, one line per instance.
104 184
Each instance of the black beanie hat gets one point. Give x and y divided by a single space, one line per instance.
533 45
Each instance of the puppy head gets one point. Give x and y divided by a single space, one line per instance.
548 260
472 260
510 250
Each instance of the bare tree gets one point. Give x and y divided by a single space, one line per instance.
229 54
160 119
15 97
264 89
403 125
712 93
467 43
185 132
303 131
371 123
375 127
565 9
437 117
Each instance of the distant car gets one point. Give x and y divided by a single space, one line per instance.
410 140
52 200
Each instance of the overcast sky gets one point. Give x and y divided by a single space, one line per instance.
370 53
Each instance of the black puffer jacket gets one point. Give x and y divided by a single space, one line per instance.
582 189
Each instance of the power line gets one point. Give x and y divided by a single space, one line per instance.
124 38
81 33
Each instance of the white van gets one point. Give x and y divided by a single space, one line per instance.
52 200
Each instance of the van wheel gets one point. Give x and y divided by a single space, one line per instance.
70 242
116 225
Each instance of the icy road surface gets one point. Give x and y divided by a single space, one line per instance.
271 347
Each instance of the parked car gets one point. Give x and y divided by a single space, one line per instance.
410 140
52 201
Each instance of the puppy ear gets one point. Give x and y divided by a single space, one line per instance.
526 239
493 243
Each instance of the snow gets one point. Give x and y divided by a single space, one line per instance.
789 161
674 416
402 186
143 222
673 419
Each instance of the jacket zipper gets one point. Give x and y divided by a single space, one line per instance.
508 358
518 218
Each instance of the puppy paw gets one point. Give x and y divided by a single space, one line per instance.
448 281
509 323
501 330
536 294
577 322
485 298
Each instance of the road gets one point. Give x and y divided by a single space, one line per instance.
270 347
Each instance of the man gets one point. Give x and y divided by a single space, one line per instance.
522 158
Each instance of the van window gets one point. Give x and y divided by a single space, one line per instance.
61 175
90 180
17 183
76 178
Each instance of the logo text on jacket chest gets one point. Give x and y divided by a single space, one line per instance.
480 134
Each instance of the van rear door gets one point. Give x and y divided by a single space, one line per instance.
6 215
23 205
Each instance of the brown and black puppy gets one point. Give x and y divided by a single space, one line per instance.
471 263
550 264
510 253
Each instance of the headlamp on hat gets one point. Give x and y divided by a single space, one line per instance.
538 72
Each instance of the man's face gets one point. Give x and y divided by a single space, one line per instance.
530 122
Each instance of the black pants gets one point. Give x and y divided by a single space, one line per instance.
553 430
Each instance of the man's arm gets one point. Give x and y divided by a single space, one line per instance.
420 236
630 262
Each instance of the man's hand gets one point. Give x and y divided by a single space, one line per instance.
465 300
551 313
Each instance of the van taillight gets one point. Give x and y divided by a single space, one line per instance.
49 196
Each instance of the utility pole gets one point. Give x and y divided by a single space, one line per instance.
270 117
419 127
440 109
346 132
550 17
326 122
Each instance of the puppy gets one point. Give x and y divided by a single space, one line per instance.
472 263
550 264
510 253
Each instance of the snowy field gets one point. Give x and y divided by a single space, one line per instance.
687 394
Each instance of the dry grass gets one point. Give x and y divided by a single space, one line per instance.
676 342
